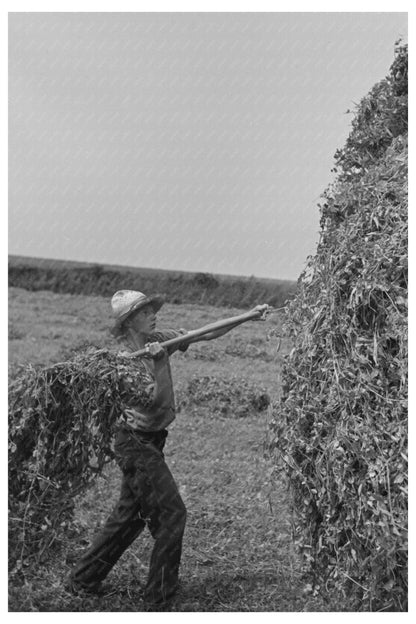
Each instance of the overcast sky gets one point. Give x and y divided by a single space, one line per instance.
188 141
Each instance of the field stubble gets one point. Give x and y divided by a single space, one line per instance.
237 552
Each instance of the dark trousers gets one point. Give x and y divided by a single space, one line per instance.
149 496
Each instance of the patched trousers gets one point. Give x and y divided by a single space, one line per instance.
149 496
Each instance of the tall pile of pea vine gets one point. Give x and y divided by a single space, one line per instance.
62 421
339 431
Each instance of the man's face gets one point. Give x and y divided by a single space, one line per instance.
143 321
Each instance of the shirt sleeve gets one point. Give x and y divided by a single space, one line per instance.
168 334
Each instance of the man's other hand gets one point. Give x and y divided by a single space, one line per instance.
262 309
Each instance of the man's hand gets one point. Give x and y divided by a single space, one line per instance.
155 350
262 309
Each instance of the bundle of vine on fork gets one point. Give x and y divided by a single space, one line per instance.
61 425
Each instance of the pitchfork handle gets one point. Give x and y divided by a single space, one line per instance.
241 318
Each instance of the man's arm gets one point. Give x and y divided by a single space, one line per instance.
212 335
211 331
220 332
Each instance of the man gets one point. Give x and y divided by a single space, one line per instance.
149 495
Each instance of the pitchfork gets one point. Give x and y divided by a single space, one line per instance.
254 315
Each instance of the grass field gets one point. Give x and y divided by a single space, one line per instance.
238 555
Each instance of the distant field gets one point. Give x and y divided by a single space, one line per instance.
238 554
177 286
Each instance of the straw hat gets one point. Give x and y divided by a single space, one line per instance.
125 302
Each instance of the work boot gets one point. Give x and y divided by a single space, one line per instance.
78 589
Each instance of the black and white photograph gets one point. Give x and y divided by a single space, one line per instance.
207 246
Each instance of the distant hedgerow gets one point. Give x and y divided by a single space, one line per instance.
177 287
